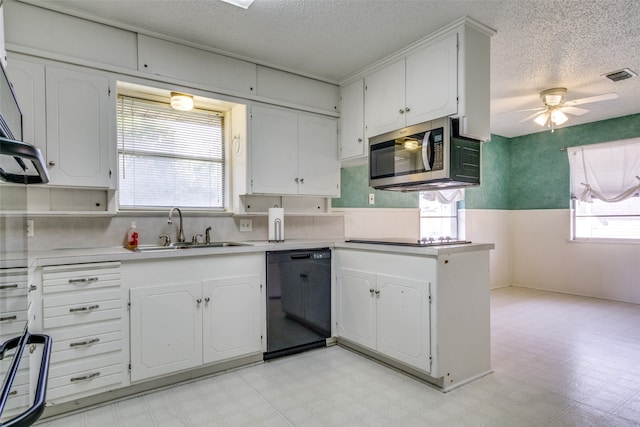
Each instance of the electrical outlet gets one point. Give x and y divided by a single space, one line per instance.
372 199
30 229
246 225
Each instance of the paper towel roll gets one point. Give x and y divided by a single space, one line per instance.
276 224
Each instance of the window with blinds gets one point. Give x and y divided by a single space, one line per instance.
169 157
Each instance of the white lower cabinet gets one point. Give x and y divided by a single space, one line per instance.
427 313
179 325
389 314
83 312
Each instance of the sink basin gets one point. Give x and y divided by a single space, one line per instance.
187 245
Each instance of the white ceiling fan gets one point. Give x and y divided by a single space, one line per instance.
555 110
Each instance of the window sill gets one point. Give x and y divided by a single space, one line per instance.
605 241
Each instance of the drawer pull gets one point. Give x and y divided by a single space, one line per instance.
83 280
4 319
83 343
13 286
86 377
85 308
13 393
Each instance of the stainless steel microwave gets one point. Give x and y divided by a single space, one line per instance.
426 156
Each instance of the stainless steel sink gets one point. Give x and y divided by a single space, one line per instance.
187 245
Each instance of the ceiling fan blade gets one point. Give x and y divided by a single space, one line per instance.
575 111
597 98
528 109
531 116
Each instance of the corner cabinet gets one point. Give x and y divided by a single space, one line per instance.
428 315
293 153
447 75
352 139
69 113
179 324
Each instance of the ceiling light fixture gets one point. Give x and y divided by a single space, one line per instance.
240 3
181 101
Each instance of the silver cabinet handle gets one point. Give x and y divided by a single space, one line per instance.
13 286
297 180
207 299
359 139
406 110
83 280
52 163
377 292
86 377
13 393
4 319
85 308
371 291
199 300
301 180
83 343
401 111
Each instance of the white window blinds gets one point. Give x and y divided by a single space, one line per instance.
609 172
168 157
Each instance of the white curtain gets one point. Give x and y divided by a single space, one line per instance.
609 171
444 196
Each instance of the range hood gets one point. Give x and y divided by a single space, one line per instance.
21 163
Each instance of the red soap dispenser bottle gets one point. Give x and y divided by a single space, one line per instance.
132 237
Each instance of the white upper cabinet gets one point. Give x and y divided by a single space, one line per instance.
418 88
164 58
3 52
445 76
352 139
293 153
69 113
80 110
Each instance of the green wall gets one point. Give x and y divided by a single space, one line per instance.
355 192
526 172
539 166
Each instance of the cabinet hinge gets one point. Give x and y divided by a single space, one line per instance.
129 305
429 297
109 91
129 367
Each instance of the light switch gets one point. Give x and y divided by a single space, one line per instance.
246 225
372 199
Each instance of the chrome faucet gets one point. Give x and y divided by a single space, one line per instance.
207 234
170 221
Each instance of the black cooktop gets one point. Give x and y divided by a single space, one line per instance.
409 242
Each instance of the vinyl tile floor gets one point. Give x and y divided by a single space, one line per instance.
558 360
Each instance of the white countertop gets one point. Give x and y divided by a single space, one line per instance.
85 255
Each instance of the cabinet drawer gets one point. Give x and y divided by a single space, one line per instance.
11 304
64 278
13 281
68 379
72 333
84 347
13 324
82 311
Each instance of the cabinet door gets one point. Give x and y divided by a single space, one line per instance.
385 99
356 306
80 128
403 320
27 79
352 141
166 329
274 151
432 81
231 318
319 165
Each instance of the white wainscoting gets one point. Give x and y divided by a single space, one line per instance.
491 226
542 257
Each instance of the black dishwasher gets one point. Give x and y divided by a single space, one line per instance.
298 300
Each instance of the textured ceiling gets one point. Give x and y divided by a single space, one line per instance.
539 43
